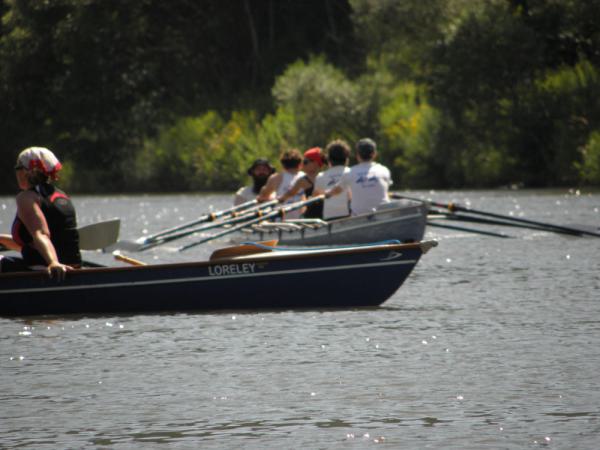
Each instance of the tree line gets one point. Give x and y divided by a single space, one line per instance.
142 95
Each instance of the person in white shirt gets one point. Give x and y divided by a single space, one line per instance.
281 182
313 160
260 171
338 154
369 181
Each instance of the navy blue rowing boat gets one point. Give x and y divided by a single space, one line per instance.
358 276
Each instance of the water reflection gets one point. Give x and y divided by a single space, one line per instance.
491 345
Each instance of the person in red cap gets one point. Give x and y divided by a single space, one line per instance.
313 161
45 227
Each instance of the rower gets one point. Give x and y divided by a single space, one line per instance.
313 161
338 155
260 171
368 181
45 227
279 183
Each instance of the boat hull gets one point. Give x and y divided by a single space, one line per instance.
403 221
358 277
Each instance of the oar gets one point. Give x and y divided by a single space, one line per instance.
182 234
278 212
210 217
469 230
458 217
455 207
128 260
145 243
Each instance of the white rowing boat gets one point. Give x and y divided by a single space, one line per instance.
402 220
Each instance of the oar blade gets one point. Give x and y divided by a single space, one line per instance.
243 249
99 235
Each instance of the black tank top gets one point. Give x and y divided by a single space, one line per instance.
314 210
62 223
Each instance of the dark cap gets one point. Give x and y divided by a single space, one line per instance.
366 147
260 162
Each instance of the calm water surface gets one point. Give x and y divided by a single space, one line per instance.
491 343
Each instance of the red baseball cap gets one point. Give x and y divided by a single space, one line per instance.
315 154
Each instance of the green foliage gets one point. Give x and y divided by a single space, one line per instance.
94 79
323 101
590 165
569 98
515 106
409 128
399 34
169 161
153 95
208 153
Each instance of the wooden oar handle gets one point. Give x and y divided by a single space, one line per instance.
128 260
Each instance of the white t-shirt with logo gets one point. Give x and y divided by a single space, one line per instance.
369 182
337 206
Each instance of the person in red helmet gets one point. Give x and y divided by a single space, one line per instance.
45 227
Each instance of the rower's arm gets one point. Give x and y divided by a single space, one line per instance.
336 190
33 218
7 241
269 188
299 185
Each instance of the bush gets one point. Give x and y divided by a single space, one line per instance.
207 153
409 127
589 168
323 102
168 162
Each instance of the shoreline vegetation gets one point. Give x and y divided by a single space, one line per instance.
155 97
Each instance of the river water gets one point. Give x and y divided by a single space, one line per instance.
491 343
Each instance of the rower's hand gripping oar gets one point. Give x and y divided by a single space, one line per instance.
548 226
279 212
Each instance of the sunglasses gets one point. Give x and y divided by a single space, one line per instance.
19 167
307 160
